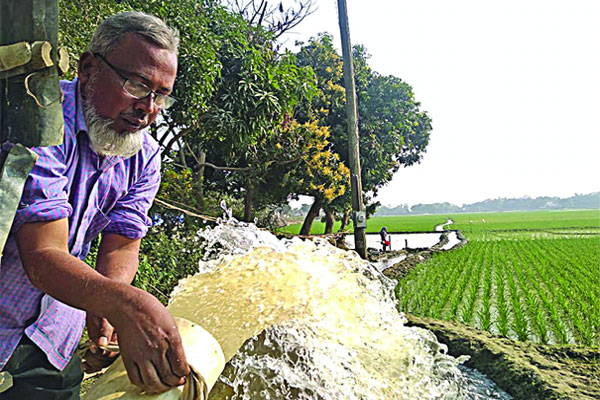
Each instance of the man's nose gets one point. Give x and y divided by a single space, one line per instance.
147 104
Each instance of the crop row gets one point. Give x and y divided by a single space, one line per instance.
540 290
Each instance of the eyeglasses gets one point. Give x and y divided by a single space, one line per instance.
139 90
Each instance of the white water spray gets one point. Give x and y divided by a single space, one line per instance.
305 320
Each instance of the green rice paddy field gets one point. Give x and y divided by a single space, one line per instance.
531 276
477 222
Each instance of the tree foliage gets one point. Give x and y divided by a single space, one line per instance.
273 16
257 126
393 131
254 93
233 91
320 172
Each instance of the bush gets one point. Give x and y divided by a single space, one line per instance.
165 258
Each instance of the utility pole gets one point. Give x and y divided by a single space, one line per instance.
359 216
30 97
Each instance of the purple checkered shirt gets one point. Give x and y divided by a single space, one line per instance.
70 181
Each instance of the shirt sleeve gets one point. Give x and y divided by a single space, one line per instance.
129 216
45 195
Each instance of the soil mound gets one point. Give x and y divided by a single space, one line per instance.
525 370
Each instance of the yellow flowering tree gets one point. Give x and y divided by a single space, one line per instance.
320 173
393 131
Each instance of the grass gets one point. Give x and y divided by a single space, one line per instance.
404 223
584 220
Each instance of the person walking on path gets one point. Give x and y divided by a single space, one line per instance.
385 239
102 178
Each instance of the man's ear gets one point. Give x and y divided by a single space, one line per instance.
87 66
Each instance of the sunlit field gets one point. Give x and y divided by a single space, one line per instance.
476 222
532 276
528 276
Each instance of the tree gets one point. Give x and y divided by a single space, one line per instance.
393 131
321 174
254 94
233 90
274 18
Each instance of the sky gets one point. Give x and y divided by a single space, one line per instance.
512 87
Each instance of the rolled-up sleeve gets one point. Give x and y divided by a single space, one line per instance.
129 217
45 195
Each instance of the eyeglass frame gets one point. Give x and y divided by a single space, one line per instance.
119 72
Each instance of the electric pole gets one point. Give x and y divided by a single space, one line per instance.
359 216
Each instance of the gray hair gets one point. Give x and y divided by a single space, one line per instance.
110 32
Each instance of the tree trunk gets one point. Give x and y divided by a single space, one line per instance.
202 160
248 206
182 154
310 216
329 221
345 221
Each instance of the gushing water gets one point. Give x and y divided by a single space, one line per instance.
306 320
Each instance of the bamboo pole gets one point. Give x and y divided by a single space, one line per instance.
359 217
30 96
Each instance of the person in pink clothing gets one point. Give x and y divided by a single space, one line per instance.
385 239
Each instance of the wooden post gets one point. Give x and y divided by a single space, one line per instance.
30 96
359 216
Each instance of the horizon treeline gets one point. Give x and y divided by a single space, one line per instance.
526 203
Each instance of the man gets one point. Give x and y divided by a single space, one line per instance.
103 178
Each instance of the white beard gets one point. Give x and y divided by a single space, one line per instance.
108 142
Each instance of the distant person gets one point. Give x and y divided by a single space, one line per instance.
385 239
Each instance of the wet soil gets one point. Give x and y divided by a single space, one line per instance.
525 370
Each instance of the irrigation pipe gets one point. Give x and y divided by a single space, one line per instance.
195 387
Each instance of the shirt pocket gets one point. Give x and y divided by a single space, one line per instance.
99 222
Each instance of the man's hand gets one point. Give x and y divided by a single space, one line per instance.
101 333
149 340
150 343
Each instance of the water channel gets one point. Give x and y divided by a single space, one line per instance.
399 241
408 241
306 320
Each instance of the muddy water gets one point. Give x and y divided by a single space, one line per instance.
305 320
400 241
440 228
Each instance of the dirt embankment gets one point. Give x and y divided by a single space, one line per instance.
525 370
416 256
